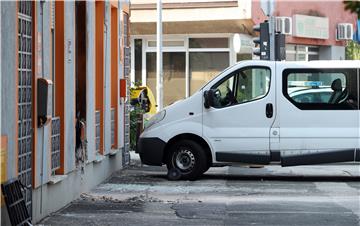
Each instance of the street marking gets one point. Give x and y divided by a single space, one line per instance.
346 199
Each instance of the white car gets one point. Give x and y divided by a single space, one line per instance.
251 114
309 95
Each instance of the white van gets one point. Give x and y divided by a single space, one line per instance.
260 112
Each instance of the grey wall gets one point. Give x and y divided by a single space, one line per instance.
8 81
8 86
332 53
69 95
90 79
43 145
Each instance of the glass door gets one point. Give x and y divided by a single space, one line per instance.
174 80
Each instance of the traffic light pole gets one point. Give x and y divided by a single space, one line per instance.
272 37
271 44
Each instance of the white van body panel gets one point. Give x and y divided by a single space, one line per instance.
241 128
178 119
244 129
309 131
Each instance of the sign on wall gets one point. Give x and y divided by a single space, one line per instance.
311 26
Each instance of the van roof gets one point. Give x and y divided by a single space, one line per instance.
326 63
318 63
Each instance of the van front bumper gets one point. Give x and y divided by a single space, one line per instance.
151 150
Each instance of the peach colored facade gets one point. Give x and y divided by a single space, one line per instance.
333 10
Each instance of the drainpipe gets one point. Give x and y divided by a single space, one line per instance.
42 2
105 66
0 64
159 68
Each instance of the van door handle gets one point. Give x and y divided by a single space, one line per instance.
269 110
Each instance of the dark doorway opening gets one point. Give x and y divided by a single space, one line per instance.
80 70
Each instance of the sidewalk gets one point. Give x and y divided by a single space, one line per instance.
336 170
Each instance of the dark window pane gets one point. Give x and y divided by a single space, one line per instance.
322 89
209 43
313 57
313 49
138 61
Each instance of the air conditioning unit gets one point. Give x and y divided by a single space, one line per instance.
283 25
344 31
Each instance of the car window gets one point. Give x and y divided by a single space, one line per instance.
242 86
321 88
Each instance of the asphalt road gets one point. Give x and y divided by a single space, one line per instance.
141 195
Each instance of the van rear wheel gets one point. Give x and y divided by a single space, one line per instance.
189 158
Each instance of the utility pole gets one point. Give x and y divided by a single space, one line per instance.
272 36
271 44
159 62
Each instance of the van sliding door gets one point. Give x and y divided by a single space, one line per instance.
319 115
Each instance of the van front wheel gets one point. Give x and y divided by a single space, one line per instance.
189 158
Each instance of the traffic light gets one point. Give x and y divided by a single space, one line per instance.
280 50
263 41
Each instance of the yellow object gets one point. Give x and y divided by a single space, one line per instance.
3 162
143 96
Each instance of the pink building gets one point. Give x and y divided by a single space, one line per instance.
314 27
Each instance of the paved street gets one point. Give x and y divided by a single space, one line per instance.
141 195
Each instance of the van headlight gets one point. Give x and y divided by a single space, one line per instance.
155 119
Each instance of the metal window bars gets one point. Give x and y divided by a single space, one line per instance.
113 126
97 131
126 153
25 99
15 202
55 144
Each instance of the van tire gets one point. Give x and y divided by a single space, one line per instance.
189 158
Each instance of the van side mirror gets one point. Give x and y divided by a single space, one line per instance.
209 98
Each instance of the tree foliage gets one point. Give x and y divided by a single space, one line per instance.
353 51
353 6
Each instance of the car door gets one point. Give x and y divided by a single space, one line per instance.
238 124
317 130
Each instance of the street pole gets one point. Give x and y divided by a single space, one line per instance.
268 7
159 64
272 36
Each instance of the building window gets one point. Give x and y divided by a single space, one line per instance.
188 63
138 60
172 43
207 57
173 75
209 43
321 89
203 66
301 53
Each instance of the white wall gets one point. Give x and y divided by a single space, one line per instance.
243 11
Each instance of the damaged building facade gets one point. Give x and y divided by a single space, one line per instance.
64 117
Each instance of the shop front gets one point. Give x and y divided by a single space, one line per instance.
189 61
